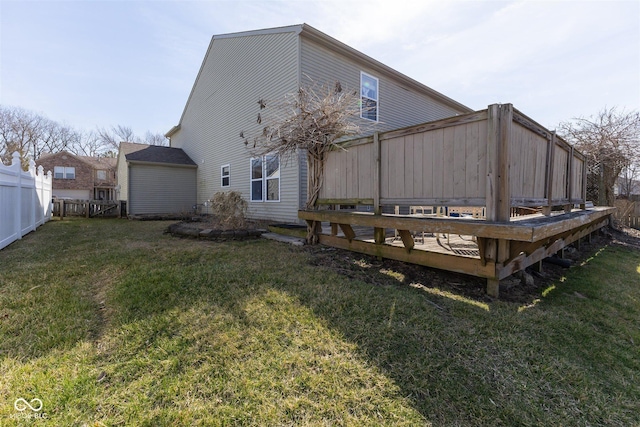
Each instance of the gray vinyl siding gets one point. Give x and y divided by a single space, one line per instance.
303 171
398 106
237 72
157 189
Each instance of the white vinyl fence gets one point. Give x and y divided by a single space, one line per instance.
25 200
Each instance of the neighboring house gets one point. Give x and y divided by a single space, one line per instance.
155 180
240 69
81 177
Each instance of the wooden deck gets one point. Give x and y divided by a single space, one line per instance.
496 160
491 250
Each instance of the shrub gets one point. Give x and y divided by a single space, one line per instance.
230 209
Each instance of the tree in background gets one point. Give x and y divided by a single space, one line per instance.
32 135
629 181
27 133
611 142
113 136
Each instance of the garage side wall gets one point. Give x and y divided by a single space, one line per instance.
156 189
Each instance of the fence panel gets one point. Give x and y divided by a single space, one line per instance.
25 200
528 152
628 213
447 163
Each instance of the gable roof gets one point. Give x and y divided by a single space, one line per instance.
100 162
94 162
337 46
143 153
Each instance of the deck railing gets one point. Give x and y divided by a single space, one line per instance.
496 158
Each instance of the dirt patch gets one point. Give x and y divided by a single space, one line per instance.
371 270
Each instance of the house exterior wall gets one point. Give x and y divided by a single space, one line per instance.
240 69
158 189
72 194
122 172
398 106
237 72
81 185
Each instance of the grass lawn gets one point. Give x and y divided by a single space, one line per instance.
113 323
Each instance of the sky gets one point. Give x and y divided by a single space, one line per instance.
105 63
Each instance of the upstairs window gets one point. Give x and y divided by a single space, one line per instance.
368 97
225 175
63 172
265 178
101 175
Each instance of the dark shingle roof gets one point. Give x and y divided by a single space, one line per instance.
155 154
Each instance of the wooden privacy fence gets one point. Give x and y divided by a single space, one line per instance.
25 200
496 158
88 208
512 182
628 213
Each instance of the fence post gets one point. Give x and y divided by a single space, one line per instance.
498 194
15 164
34 195
379 235
569 206
546 210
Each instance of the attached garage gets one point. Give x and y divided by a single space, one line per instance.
156 180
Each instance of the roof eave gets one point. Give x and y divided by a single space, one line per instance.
172 131
178 165
329 42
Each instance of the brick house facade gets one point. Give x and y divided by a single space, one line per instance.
81 177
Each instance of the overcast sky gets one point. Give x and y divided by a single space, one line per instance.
103 63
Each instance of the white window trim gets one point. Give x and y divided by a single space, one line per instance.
377 99
64 172
251 180
264 180
223 176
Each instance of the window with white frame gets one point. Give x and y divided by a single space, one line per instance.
101 174
265 178
225 175
368 97
64 172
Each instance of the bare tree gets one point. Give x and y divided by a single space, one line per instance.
629 180
28 133
88 144
611 142
32 135
312 120
113 136
155 139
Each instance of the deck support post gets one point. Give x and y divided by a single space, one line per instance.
537 266
378 233
493 287
498 193
334 229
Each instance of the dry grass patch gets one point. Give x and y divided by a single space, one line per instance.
256 333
